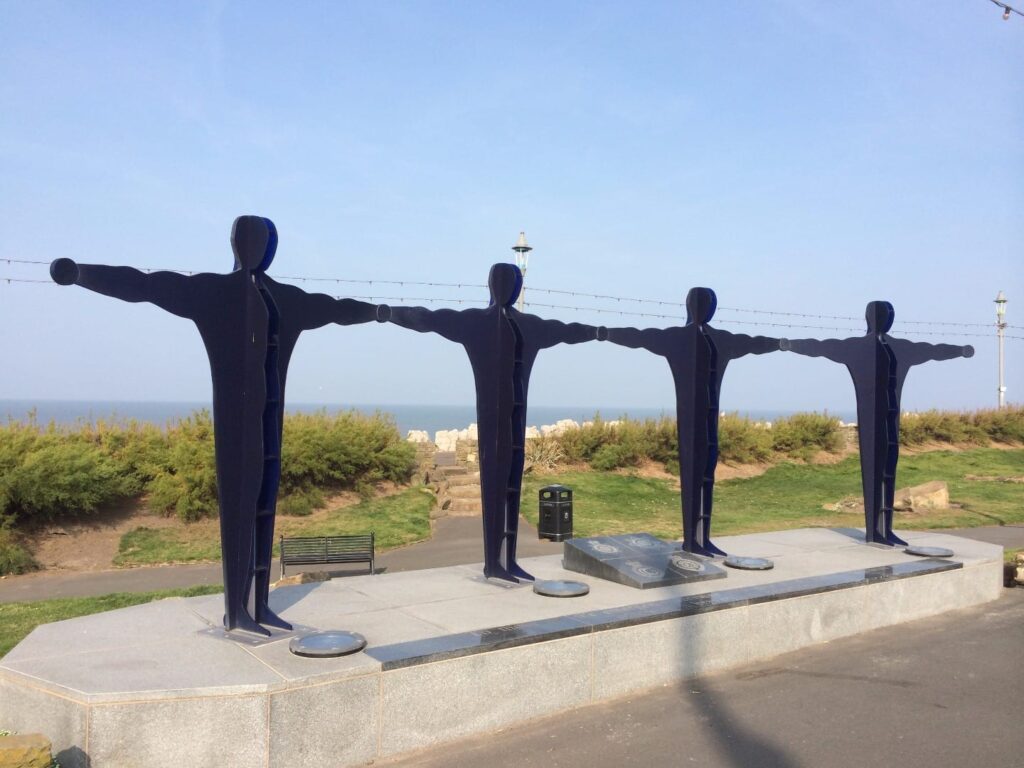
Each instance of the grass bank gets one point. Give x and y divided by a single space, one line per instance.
395 520
793 496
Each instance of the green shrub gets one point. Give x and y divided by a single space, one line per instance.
1005 425
804 434
615 455
57 477
186 483
301 503
14 558
743 441
940 427
348 450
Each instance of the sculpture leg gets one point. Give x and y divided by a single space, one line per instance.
889 494
266 508
513 494
708 491
691 477
493 477
511 535
871 483
236 532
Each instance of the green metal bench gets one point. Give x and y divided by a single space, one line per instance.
330 550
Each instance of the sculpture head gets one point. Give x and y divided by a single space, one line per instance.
505 282
879 315
700 305
254 241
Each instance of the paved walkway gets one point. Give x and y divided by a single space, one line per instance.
456 541
942 691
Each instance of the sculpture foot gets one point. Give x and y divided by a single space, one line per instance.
497 572
697 549
712 550
271 619
515 570
246 623
892 538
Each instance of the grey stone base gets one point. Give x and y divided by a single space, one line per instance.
450 653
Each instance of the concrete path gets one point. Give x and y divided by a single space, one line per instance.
942 691
456 541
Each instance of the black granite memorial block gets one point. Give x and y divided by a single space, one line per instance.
637 560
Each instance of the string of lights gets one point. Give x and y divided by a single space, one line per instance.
575 294
1007 10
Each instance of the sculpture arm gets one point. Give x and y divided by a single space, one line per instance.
648 338
170 291
448 323
833 349
917 352
552 332
736 345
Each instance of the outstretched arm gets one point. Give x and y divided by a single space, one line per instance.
451 324
548 333
834 349
651 339
168 290
734 345
917 352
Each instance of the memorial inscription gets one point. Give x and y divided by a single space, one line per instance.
637 560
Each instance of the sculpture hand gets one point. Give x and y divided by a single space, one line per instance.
602 333
64 271
784 345
968 351
383 313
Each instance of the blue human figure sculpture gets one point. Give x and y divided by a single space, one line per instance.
878 365
249 325
502 344
697 355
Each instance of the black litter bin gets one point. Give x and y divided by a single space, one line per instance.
555 513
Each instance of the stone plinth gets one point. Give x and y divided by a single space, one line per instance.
449 653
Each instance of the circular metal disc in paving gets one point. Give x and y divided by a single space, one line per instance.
749 563
558 588
929 551
322 645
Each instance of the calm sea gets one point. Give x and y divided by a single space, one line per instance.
429 418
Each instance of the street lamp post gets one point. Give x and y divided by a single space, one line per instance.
522 249
1000 327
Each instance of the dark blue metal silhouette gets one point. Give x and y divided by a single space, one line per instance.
878 365
698 355
249 324
502 344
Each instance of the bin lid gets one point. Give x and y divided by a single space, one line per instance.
556 491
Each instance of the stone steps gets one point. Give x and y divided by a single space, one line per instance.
465 492
456 481
465 506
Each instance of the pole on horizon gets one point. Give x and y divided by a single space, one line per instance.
522 249
1000 327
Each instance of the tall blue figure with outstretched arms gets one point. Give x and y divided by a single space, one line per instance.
878 365
502 344
697 355
249 324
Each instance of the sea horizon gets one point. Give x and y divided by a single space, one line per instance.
407 416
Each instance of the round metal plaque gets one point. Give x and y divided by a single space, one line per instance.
558 588
749 563
928 551
327 644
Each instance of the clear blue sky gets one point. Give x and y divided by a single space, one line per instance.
794 156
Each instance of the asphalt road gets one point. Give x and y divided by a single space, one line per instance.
943 691
456 541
